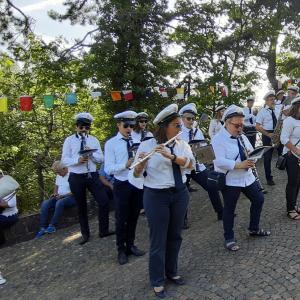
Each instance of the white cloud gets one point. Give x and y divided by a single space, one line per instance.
40 5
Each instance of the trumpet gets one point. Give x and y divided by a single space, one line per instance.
153 151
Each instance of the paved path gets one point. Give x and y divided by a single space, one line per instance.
55 267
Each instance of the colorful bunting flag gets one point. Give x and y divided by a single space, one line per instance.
116 95
163 92
3 104
71 98
96 94
48 101
180 93
290 82
224 91
212 89
26 103
128 95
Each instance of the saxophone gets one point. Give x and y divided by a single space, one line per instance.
275 139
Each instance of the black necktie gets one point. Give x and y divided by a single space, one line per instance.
176 172
83 143
191 135
130 154
274 119
241 149
143 135
250 120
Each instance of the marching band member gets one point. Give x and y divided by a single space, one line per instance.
290 138
83 175
266 121
230 152
293 91
139 132
188 114
249 122
118 158
165 196
280 98
216 124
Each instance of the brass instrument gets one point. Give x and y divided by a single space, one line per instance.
254 170
153 151
275 139
202 152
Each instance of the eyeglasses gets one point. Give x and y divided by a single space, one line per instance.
143 121
128 125
87 127
176 125
237 126
190 118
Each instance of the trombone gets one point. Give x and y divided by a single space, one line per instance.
153 151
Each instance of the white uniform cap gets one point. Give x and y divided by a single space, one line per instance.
250 98
294 88
280 92
84 117
220 107
232 111
268 94
166 114
142 115
127 116
296 100
189 108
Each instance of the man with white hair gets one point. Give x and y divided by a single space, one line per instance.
81 154
61 198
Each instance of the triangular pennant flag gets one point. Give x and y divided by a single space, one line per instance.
96 94
71 98
163 92
26 103
116 95
180 93
224 91
3 104
212 89
48 101
290 82
128 95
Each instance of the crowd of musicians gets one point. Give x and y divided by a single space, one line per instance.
152 172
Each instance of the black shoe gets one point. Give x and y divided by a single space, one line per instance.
84 240
191 190
162 294
178 281
134 250
103 235
264 191
122 258
270 182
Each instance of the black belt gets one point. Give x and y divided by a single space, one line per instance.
82 174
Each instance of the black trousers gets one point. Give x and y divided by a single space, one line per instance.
214 196
293 184
6 222
267 156
79 183
251 137
127 202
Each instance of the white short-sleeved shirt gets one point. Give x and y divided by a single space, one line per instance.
248 112
70 154
227 154
290 133
214 127
62 184
12 203
159 169
264 117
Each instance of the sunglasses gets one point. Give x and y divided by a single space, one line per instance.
143 121
87 127
237 126
128 125
190 118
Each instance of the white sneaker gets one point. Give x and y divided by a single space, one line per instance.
2 280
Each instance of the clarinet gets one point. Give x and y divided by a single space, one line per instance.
84 147
253 169
130 151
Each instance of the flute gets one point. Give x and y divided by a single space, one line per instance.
153 151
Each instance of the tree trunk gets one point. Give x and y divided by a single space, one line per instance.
271 58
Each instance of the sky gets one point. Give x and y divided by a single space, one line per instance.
49 29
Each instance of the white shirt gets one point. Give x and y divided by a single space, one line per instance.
264 117
70 154
290 133
227 154
214 127
197 135
62 183
12 203
159 169
116 157
248 112
138 135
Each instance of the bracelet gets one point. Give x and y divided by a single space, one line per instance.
186 163
174 158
